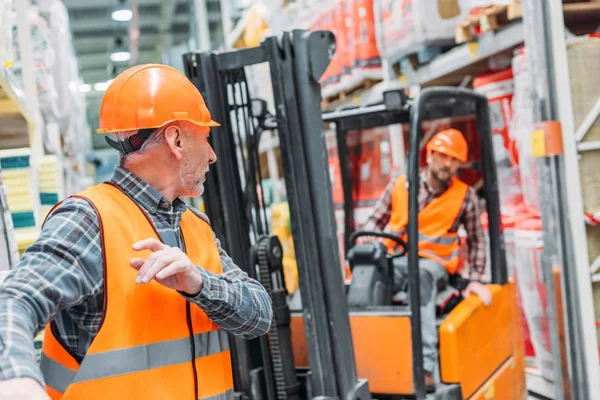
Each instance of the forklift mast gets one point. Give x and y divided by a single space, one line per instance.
296 60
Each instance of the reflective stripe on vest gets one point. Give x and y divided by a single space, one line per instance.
424 238
134 359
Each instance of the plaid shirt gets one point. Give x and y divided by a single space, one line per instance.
468 216
60 277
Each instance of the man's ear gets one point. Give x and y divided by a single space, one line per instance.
173 137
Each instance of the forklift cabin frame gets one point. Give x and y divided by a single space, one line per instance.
297 60
431 103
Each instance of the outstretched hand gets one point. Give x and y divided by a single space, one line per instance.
22 389
481 291
168 265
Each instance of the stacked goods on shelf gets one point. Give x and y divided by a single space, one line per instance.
48 184
281 227
583 56
356 61
486 15
529 245
8 246
71 107
15 164
521 126
498 87
43 64
327 20
366 57
423 27
6 24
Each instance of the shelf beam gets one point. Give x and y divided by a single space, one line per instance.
468 58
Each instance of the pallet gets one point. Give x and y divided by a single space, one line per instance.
487 19
347 93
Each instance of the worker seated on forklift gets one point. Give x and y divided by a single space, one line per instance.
445 203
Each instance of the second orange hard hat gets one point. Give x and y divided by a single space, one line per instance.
150 96
450 142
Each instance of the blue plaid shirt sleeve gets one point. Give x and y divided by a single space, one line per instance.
233 300
50 277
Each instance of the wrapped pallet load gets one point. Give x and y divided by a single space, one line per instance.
584 63
408 26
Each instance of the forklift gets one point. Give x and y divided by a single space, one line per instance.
350 343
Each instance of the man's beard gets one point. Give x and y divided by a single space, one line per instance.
443 176
191 182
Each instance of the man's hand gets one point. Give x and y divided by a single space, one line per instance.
22 389
169 266
366 239
481 291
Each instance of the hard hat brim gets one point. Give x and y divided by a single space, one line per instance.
210 123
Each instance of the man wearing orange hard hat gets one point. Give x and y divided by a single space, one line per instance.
445 203
135 292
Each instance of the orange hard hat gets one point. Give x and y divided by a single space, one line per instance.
149 96
451 143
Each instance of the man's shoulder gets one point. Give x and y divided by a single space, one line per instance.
199 214
73 205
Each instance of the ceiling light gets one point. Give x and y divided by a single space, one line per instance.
120 56
122 15
85 88
101 86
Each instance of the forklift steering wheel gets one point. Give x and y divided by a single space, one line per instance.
385 235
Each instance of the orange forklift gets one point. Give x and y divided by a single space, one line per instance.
353 342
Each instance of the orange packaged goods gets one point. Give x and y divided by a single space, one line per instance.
329 22
343 38
334 168
348 43
366 53
406 26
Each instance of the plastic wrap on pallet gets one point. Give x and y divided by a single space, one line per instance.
498 87
529 246
43 63
522 125
408 26
7 20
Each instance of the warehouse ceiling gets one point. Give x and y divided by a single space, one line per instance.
162 24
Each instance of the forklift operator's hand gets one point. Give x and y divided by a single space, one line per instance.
481 291
366 239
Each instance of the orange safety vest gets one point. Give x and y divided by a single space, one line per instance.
436 242
144 348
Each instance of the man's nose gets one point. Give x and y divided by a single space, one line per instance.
212 156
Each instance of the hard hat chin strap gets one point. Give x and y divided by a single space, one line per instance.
133 143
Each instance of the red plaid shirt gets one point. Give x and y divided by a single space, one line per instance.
468 217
